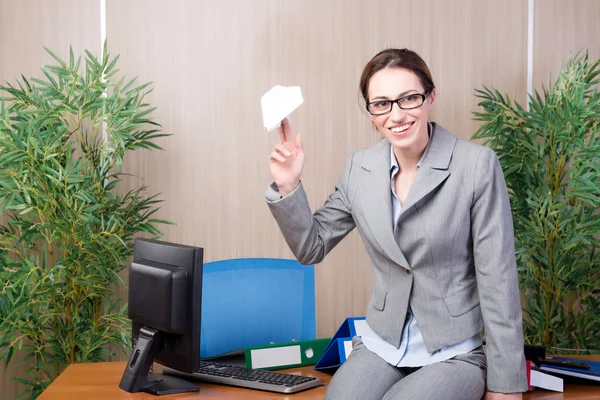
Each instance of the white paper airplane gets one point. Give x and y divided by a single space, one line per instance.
278 103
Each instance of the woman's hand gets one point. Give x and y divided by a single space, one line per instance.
286 161
503 396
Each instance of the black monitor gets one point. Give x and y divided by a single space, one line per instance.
165 296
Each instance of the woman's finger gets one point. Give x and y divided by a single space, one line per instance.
299 145
275 156
287 129
281 134
283 150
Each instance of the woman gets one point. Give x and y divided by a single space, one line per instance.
434 215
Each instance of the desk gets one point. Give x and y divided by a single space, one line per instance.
96 381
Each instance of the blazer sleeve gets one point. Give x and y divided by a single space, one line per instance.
312 236
497 280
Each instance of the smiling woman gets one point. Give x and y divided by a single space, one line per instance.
402 78
404 126
434 216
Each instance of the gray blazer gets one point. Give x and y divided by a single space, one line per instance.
453 257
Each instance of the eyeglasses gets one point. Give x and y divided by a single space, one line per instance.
380 107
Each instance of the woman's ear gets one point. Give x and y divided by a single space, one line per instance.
431 97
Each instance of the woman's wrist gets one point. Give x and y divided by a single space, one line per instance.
286 188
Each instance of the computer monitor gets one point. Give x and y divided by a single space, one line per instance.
165 296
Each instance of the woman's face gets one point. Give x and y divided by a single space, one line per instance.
405 129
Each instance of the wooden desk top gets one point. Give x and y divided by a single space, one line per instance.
96 381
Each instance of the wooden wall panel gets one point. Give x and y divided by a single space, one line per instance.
25 27
213 61
561 29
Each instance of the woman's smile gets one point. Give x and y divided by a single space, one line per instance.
401 130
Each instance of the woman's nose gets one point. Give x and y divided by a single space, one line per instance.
397 114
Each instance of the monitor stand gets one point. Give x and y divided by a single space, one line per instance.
158 385
136 377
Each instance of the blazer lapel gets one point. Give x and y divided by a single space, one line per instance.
377 199
434 167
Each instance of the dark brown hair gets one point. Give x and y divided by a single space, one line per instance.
396 58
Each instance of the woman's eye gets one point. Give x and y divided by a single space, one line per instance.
410 98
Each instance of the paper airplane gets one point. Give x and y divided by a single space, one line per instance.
278 103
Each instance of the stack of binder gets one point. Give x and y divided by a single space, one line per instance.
340 346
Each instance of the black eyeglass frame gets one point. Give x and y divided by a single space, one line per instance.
423 97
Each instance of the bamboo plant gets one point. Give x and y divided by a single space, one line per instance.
550 156
67 227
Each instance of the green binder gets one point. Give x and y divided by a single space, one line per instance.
285 355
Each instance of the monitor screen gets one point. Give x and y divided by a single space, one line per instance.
165 302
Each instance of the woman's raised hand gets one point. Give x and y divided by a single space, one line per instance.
286 161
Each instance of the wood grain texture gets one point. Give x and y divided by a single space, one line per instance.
561 29
100 381
25 28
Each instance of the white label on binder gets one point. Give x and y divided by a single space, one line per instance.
360 326
545 381
276 356
347 348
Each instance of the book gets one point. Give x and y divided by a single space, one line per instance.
592 374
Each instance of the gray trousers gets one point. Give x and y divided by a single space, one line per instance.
366 376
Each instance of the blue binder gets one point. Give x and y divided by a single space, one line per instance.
335 353
592 374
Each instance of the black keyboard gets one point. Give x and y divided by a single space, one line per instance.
249 378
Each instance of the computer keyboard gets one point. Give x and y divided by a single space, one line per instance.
249 378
